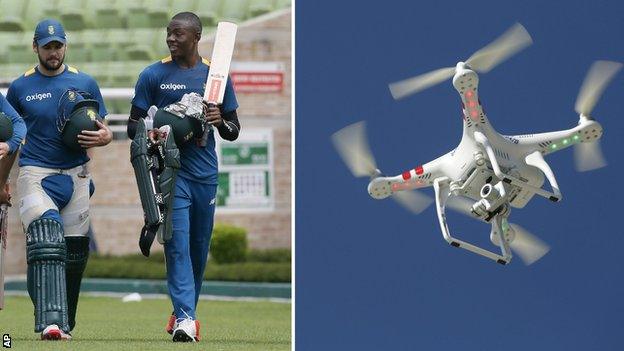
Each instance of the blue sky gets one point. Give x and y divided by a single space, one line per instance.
371 275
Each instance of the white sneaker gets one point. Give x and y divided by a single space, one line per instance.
186 330
53 332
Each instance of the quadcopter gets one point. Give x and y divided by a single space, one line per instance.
487 174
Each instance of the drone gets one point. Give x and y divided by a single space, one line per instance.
488 173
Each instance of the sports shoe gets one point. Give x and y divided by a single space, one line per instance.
53 332
187 330
171 325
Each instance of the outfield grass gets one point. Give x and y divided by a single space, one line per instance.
109 324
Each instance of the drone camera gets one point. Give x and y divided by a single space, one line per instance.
486 190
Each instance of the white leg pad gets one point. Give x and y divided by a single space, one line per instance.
33 200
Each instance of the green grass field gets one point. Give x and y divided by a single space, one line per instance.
109 324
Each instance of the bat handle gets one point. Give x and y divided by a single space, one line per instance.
207 127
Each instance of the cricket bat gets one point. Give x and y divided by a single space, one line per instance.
219 69
4 219
220 62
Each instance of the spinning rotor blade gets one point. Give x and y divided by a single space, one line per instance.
415 84
527 245
513 40
352 145
413 200
599 75
588 156
460 204
509 43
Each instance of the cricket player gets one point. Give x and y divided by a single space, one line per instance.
161 84
53 184
9 145
9 120
12 131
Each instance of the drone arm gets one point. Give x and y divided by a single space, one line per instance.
482 139
587 130
536 159
442 193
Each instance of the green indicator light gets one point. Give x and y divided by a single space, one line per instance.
575 137
553 146
565 141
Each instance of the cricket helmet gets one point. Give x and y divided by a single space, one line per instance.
77 111
184 128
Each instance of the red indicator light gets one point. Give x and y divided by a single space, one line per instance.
469 94
419 170
474 114
407 175
472 104
395 187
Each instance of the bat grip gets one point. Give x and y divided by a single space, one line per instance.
207 127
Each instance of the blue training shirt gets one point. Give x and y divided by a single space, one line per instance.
19 128
36 97
164 83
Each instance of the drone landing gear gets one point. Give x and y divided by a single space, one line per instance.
534 159
442 192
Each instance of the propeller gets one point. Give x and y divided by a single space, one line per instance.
528 246
509 43
352 145
588 156
413 200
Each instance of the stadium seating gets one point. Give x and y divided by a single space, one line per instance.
108 14
72 15
259 7
11 18
112 40
233 10
208 12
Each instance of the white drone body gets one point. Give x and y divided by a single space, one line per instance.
488 173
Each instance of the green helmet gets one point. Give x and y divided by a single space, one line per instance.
184 128
6 127
76 113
